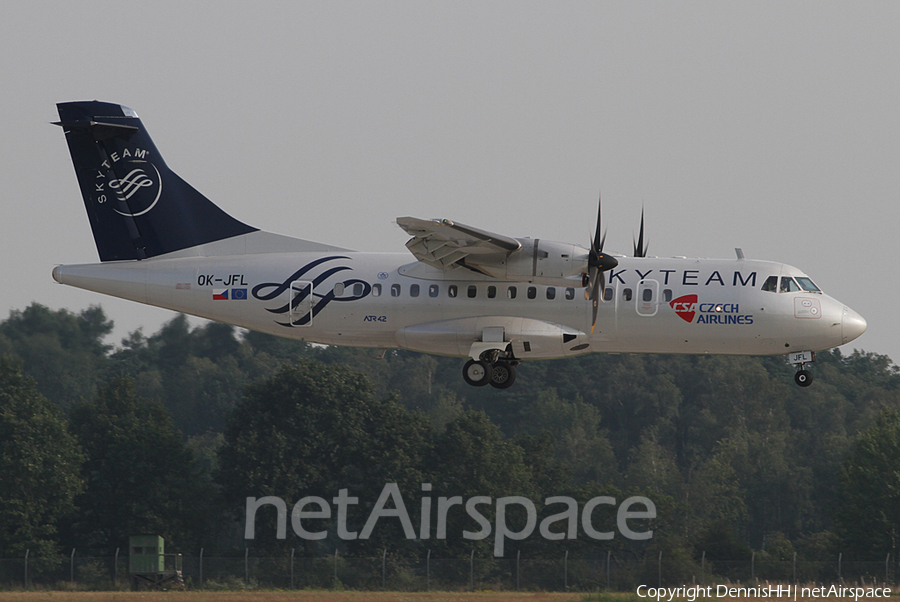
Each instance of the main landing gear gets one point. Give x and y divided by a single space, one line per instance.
500 374
803 377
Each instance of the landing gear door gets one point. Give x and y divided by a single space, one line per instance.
647 297
300 295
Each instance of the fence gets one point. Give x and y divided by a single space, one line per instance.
565 572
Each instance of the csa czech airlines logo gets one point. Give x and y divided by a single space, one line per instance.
685 306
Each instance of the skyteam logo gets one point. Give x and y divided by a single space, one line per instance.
688 307
138 191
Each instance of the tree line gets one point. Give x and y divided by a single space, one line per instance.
170 433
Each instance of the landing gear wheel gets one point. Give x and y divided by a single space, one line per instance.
477 373
504 375
803 378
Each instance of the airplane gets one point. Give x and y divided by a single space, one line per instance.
463 292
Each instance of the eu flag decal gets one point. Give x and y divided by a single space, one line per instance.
238 294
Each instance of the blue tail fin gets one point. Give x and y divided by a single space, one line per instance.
138 208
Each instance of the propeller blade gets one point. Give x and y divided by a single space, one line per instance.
597 296
598 263
597 246
596 257
640 250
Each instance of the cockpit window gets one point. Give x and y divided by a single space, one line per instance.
788 285
807 285
771 284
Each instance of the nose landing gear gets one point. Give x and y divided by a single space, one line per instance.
803 377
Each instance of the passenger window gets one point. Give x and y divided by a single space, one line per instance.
570 293
626 294
376 289
647 295
771 284
667 295
551 292
451 291
434 290
532 292
511 292
395 290
608 294
413 290
788 285
358 289
338 289
471 291
492 292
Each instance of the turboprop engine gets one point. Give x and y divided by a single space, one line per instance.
539 261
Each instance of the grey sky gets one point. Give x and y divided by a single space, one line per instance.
770 126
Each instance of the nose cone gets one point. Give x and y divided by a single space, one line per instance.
852 325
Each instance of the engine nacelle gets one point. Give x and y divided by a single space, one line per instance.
539 261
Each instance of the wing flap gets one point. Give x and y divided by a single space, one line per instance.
444 244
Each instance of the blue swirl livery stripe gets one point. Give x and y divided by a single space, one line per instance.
301 295
327 298
280 288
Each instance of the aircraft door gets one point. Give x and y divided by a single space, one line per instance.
300 296
647 298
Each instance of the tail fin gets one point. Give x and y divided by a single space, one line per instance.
138 208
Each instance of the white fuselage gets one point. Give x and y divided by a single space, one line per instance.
461 291
654 305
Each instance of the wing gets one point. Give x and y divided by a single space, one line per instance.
445 244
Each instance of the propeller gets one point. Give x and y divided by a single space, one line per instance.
640 249
598 263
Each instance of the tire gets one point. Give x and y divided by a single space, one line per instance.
803 378
504 376
477 373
